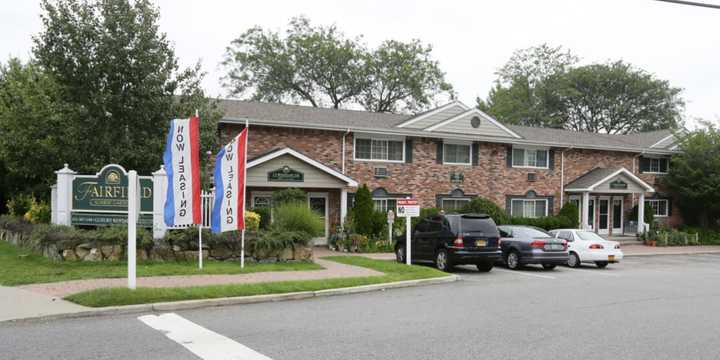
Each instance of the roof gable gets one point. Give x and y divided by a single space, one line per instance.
598 179
315 164
436 115
473 122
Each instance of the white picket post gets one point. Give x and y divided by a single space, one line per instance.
132 226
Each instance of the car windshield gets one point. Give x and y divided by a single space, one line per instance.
528 232
589 236
480 225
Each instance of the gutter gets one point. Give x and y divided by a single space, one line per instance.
347 132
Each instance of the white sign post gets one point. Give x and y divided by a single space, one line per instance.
133 213
408 208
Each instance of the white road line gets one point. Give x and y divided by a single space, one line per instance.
206 344
523 273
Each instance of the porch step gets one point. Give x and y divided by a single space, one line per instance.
625 240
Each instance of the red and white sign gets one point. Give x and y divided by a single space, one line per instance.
408 208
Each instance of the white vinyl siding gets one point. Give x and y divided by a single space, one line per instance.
379 150
660 206
457 154
528 208
531 158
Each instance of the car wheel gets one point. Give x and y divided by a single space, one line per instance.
512 260
548 266
601 264
573 260
442 261
400 254
485 267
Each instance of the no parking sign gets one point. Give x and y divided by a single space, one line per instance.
409 209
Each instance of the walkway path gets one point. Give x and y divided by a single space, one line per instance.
331 270
18 303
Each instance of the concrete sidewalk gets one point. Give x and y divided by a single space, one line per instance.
18 303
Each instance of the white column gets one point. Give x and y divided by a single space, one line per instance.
641 214
65 178
343 206
133 211
159 195
585 210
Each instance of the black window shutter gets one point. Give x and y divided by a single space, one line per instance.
508 156
644 165
664 165
439 158
551 159
669 207
475 153
408 150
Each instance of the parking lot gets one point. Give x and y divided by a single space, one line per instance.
659 307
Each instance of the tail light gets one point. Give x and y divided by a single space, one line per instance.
459 242
596 246
565 244
617 246
538 243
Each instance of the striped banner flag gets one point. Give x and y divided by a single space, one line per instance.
182 163
229 206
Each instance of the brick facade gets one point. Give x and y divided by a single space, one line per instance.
425 178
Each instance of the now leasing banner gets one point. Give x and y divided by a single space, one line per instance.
182 163
229 207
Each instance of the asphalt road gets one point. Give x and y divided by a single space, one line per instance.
644 308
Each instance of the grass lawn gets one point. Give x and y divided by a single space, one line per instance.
122 296
18 270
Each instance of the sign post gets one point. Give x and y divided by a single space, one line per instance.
390 221
133 212
408 208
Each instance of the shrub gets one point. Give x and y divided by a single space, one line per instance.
285 196
39 212
15 224
481 205
363 211
276 240
19 204
649 214
264 213
252 220
292 217
572 213
547 222
705 236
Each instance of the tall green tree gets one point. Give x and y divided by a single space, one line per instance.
320 66
694 176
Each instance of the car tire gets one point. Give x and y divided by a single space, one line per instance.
442 260
485 267
573 260
512 260
549 266
400 254
601 264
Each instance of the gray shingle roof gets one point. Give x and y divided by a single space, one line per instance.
590 178
306 116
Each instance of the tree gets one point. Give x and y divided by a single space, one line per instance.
118 81
363 211
617 98
542 86
320 66
402 77
523 93
694 176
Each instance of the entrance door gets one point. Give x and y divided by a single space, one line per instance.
604 215
617 216
318 203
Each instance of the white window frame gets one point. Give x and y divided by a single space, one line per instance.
525 157
470 155
385 200
667 209
463 199
512 203
657 159
261 194
378 138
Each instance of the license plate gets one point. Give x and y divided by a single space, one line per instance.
554 247
611 257
480 243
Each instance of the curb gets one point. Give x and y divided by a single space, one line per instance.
204 303
711 252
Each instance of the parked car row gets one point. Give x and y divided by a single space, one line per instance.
475 239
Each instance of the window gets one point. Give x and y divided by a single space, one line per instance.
456 154
379 149
534 158
261 200
567 235
385 204
449 204
660 206
528 208
654 165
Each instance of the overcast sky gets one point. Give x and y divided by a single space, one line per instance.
471 39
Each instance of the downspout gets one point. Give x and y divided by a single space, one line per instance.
347 132
562 178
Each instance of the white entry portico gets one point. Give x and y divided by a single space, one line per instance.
600 194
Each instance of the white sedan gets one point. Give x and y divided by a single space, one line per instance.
589 247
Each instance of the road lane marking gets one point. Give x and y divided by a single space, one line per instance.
206 344
523 273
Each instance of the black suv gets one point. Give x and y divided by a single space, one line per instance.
449 240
